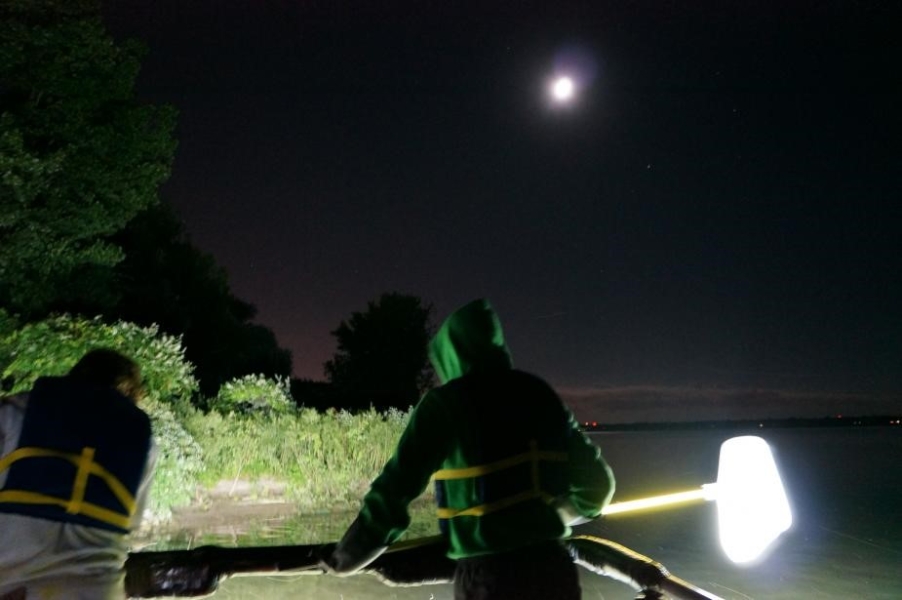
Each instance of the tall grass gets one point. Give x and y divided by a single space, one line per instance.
326 459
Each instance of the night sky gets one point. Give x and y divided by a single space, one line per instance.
716 212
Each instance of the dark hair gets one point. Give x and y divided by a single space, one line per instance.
108 368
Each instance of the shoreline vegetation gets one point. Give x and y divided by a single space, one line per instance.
303 471
246 495
255 452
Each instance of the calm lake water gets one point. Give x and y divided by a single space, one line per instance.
845 487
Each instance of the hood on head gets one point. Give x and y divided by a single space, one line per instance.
470 340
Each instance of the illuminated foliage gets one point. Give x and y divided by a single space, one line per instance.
254 394
54 345
79 156
81 227
327 459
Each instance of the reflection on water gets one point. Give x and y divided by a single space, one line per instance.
233 532
230 528
845 487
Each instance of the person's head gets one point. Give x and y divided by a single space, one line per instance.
470 340
108 368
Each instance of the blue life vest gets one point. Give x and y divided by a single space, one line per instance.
80 458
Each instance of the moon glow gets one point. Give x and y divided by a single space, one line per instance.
562 89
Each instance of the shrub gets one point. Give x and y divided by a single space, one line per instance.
52 346
254 394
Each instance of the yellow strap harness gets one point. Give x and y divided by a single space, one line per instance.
532 456
75 504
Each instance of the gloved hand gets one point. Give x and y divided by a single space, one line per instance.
568 513
354 552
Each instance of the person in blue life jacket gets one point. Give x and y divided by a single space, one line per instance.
75 470
512 471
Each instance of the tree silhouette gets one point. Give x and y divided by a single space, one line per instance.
382 358
164 279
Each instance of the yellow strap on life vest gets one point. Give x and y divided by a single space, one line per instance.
484 509
75 504
533 456
505 463
86 508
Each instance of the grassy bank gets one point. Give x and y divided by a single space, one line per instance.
326 459
289 478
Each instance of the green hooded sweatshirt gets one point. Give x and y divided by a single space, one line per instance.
503 450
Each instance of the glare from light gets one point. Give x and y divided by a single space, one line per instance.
563 89
752 507
654 502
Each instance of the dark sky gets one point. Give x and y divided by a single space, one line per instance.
719 207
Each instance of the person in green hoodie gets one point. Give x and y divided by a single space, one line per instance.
512 471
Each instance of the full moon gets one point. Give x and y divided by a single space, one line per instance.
562 89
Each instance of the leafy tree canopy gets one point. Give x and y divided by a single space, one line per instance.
81 227
79 156
382 357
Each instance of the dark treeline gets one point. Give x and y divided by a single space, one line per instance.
164 279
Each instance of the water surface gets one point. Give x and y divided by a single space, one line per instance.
845 486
